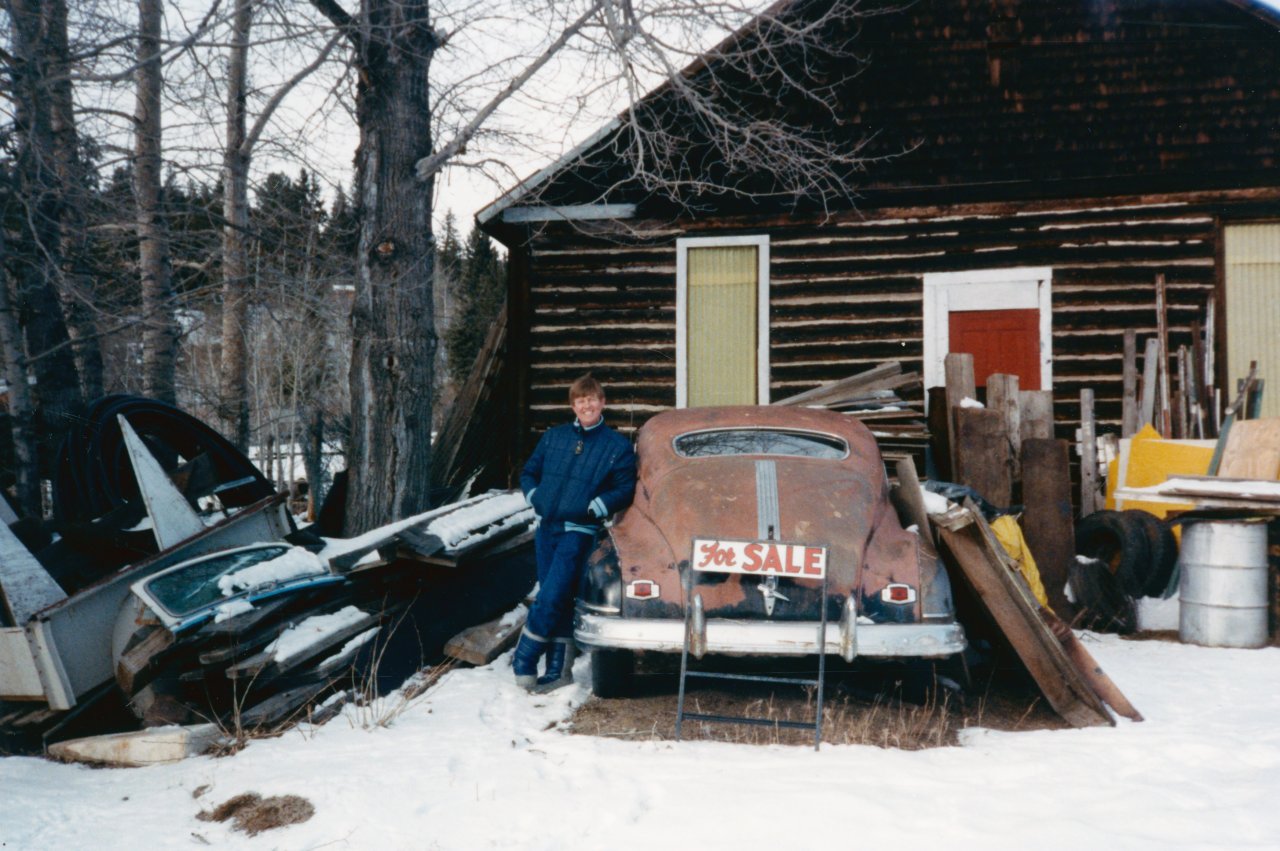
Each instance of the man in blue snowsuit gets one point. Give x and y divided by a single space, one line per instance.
579 474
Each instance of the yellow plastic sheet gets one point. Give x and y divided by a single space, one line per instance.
1009 534
1152 460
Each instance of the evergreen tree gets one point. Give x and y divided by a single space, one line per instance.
481 295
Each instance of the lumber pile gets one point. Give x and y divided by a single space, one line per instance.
989 591
876 398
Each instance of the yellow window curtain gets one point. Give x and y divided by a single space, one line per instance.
1253 311
722 349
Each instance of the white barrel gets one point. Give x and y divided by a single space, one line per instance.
1224 584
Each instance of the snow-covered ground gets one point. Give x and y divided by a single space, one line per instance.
477 763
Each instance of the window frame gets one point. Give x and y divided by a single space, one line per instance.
761 242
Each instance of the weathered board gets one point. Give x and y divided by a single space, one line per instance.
982 453
1047 520
1015 612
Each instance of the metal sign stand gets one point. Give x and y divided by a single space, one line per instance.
695 630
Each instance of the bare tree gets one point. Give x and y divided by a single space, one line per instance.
414 122
160 332
42 207
237 156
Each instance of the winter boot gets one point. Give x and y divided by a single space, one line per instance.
559 666
525 660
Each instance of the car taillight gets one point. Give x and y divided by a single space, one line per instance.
642 589
898 593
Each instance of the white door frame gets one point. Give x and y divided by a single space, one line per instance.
762 310
1021 288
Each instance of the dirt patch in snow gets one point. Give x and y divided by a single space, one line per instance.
253 813
901 707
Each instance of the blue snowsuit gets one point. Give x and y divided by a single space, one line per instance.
574 479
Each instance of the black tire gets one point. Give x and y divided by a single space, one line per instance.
1120 544
1162 550
612 672
1101 603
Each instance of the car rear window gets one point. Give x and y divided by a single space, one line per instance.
760 441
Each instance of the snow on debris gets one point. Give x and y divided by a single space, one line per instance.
485 519
294 563
967 402
935 503
358 641
311 631
230 609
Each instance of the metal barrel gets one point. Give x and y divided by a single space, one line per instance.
1224 584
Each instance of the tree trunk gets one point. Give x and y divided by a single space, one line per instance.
234 404
76 287
48 349
393 327
159 329
21 415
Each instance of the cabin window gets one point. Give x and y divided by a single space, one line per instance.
722 329
1003 317
1251 255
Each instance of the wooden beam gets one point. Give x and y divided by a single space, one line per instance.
1088 455
1162 337
1035 415
1150 382
1129 401
1002 396
1016 613
1047 520
982 454
958 369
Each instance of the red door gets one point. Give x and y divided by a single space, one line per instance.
1005 341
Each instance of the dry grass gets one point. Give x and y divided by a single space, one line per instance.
252 813
867 709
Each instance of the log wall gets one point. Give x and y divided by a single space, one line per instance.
846 293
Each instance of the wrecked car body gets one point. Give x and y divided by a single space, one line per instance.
742 517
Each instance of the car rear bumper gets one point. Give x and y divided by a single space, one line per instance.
770 638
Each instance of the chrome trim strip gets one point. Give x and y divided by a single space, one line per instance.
769 638
768 518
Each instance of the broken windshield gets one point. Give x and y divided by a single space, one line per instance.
197 585
759 441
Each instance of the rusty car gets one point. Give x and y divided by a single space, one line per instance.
760 531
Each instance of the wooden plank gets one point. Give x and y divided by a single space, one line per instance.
1047 520
982 454
154 746
1195 381
854 384
1162 338
265 666
1129 399
1150 382
1088 455
137 658
1035 414
940 432
481 644
1232 411
912 497
1089 668
1252 450
1016 614
960 385
1002 396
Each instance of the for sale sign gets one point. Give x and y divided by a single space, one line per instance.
766 558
